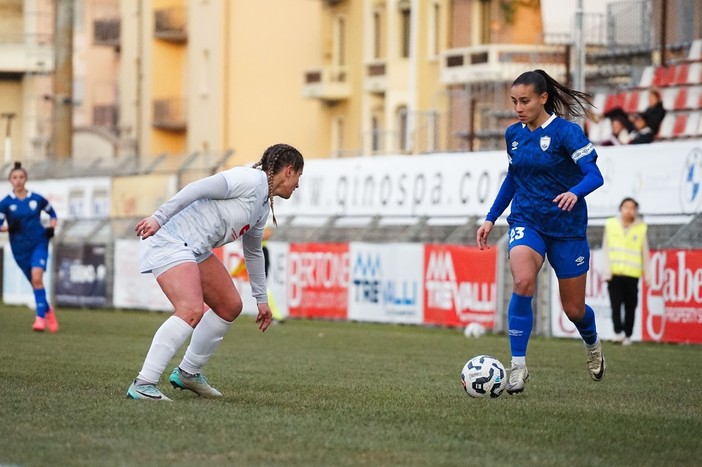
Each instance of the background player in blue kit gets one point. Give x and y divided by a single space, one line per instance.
20 215
551 170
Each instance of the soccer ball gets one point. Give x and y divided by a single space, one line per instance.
484 376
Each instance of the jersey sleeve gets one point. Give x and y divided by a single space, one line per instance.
212 187
577 145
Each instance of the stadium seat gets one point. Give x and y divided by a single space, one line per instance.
666 130
663 76
647 77
598 132
643 101
680 102
694 73
598 102
694 98
692 128
631 101
680 75
679 125
668 97
614 100
695 52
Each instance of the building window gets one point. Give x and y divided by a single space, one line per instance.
375 134
402 143
338 137
377 35
405 29
340 42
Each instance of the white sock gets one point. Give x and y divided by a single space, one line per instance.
593 346
519 361
207 336
167 340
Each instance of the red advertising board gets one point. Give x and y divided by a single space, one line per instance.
318 280
459 285
672 305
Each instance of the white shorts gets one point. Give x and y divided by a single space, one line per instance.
162 251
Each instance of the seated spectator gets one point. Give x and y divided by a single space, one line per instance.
655 112
621 127
643 133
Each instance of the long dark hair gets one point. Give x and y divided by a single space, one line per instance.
17 166
562 100
275 159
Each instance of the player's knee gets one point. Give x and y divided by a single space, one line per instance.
574 312
524 285
231 311
190 314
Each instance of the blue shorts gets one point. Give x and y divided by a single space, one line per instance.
568 257
37 258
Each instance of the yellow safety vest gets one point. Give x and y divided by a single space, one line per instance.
625 247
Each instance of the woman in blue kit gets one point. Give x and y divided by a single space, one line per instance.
551 170
20 215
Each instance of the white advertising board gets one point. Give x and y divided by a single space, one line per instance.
666 178
72 198
132 289
597 296
386 283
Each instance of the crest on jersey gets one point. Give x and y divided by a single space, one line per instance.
545 142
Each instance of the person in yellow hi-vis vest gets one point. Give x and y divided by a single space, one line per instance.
627 260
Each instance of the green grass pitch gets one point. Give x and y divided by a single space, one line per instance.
320 393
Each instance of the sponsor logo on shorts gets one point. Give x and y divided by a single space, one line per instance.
580 260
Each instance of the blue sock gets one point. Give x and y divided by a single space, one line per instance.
587 326
520 318
42 304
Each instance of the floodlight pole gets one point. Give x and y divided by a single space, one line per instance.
579 39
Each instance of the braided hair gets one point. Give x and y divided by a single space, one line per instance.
562 100
275 159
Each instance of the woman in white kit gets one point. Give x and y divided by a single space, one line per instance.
177 248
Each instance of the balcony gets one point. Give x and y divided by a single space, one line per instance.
26 53
170 24
375 80
328 83
500 62
170 115
106 31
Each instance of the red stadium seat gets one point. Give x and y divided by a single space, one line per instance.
631 101
680 99
681 73
679 126
614 100
663 76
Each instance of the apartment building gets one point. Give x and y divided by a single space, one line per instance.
417 76
217 77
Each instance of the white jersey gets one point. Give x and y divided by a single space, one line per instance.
211 212
210 223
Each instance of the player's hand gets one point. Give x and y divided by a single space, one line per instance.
147 227
482 235
566 201
265 316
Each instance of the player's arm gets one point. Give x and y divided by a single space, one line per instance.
502 200
255 266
